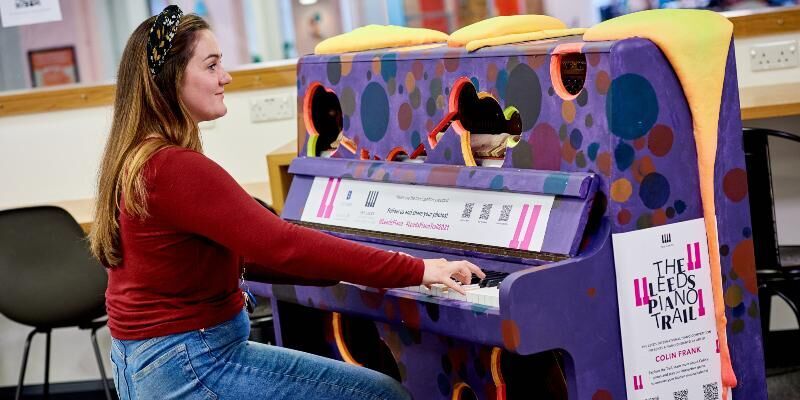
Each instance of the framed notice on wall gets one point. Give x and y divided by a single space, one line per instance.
53 66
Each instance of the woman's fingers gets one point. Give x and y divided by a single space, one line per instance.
474 269
454 286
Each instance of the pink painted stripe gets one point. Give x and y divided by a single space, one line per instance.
690 262
514 243
333 198
531 226
702 309
322 204
697 263
646 296
637 293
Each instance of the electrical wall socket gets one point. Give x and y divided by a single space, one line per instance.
776 55
271 108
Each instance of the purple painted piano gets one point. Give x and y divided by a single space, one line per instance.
559 144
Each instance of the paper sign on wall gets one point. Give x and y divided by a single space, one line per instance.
28 12
669 340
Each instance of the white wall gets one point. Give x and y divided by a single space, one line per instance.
54 156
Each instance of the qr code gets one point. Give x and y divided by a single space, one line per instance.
711 391
681 395
467 210
27 3
505 213
485 211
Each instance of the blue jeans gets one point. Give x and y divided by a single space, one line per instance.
219 362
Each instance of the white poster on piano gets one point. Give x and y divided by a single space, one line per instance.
669 340
510 220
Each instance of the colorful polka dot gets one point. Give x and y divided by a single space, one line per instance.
404 116
604 163
631 107
451 62
545 145
556 183
388 66
374 112
654 191
593 58
501 84
491 72
744 264
334 70
602 394
522 155
621 190
624 217
659 141
576 138
510 333
430 106
592 151
439 68
376 66
496 183
733 296
411 81
659 217
348 101
734 184
623 156
602 82
680 206
568 111
644 221
524 93
580 159
583 98
568 153
417 68
415 96
642 167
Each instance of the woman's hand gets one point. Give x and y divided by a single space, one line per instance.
439 270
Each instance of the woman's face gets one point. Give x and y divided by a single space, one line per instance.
204 80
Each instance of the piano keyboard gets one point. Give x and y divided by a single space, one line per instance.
479 291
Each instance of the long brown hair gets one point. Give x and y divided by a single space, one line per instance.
145 107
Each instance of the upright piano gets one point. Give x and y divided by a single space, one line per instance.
524 159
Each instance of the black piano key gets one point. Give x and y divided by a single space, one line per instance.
493 278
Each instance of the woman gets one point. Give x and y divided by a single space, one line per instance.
173 229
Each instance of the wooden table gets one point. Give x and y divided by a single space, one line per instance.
770 101
278 171
83 210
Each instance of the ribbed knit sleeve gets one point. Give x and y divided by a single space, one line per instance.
194 194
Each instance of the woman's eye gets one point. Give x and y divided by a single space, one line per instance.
212 66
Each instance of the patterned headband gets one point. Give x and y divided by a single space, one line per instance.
161 34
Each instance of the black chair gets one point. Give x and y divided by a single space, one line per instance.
777 267
48 279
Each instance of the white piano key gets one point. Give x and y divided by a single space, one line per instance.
488 296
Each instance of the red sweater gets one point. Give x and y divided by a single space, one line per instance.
180 266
